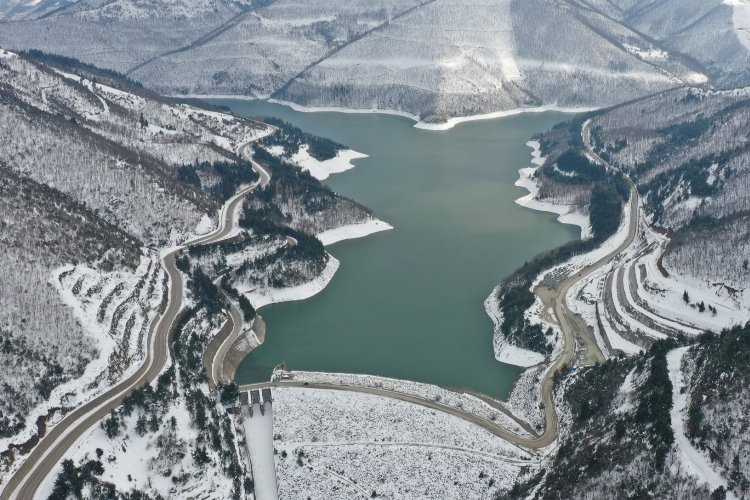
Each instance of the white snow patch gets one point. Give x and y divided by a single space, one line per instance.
205 225
517 356
650 54
741 20
351 231
259 434
321 170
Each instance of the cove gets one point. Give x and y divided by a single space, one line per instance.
408 303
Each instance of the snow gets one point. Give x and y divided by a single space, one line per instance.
517 356
624 400
657 319
567 214
429 392
259 434
96 377
352 231
159 462
205 225
664 294
631 322
6 54
452 122
505 352
362 443
260 297
447 125
650 54
334 109
321 170
617 342
692 459
740 20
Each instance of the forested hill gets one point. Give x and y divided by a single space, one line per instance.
620 439
689 153
432 58
89 182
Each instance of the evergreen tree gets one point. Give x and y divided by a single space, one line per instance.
140 426
112 426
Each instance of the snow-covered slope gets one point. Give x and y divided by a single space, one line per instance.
29 9
435 59
690 154
88 177
713 33
617 436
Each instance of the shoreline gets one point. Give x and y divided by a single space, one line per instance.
436 127
566 213
504 351
270 296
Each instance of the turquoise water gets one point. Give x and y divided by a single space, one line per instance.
408 303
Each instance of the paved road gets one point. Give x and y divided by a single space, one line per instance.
50 450
213 358
232 328
570 324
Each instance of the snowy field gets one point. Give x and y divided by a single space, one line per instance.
331 444
428 392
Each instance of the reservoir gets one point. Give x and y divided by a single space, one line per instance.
408 303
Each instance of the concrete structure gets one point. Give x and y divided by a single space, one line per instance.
258 428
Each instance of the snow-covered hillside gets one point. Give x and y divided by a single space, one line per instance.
434 59
126 146
617 438
98 176
690 154
89 182
29 9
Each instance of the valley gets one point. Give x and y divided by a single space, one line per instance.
411 250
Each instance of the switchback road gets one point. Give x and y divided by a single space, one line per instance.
51 449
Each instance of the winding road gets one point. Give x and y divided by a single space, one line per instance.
51 449
219 346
